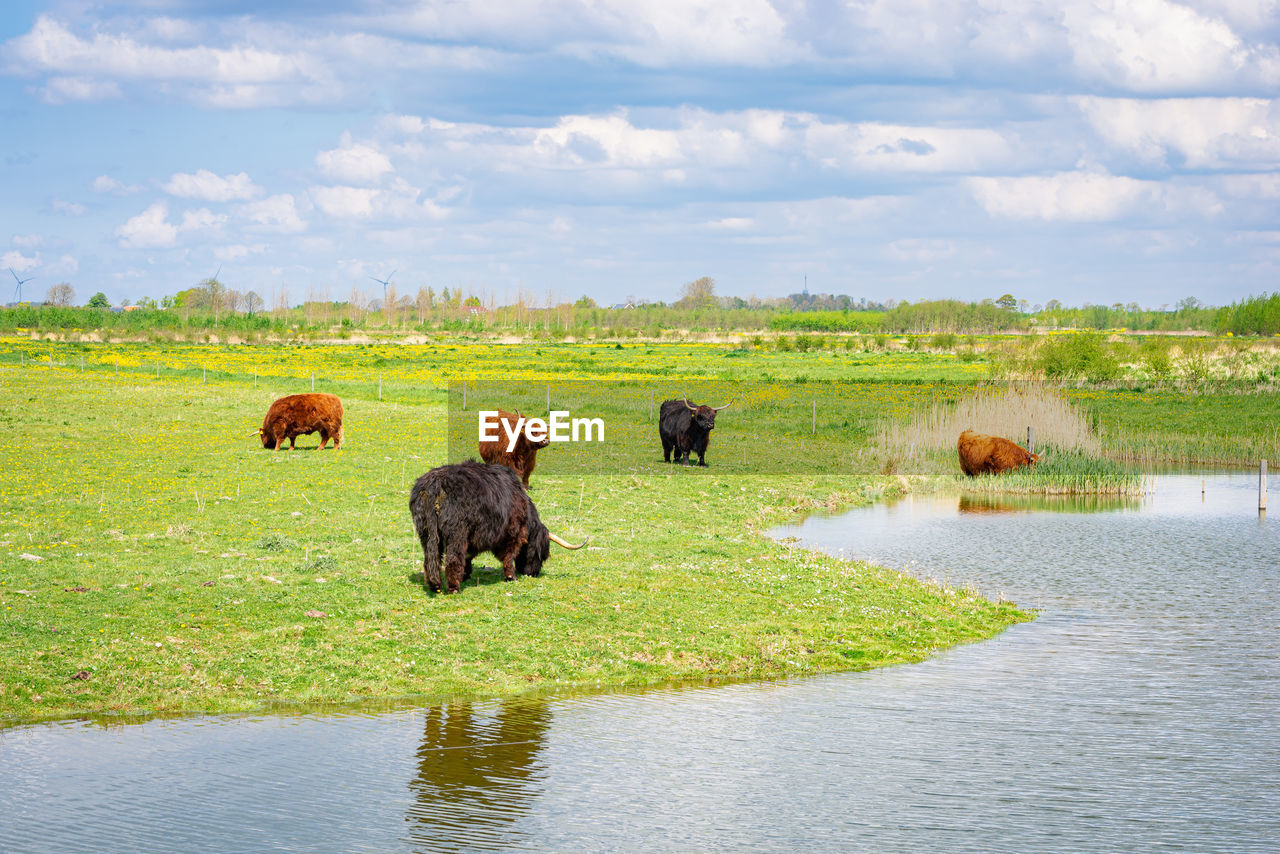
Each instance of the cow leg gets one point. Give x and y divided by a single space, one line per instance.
666 452
324 440
293 441
466 572
455 561
702 459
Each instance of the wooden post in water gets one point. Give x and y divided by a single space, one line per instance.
1031 439
1262 487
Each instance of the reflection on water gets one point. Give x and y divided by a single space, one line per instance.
1137 713
969 503
477 773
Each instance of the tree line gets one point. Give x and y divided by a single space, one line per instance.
211 305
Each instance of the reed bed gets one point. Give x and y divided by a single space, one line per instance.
999 411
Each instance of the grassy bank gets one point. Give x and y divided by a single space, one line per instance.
183 568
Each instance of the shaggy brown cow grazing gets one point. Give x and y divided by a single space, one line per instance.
982 454
302 414
525 456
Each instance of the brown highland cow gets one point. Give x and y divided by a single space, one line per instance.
982 454
302 414
525 456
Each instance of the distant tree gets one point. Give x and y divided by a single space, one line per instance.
1007 301
472 301
253 303
60 294
99 300
585 302
700 293
146 302
169 301
125 303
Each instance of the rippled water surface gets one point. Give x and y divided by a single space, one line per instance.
1140 711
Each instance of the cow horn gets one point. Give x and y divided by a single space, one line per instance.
726 406
688 404
257 432
560 542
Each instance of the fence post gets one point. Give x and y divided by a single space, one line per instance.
82 364
548 400
379 386
255 376
1262 487
650 404
313 380
204 373
815 418
1031 439
157 370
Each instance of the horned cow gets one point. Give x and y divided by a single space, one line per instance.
685 427
982 454
300 415
523 458
466 508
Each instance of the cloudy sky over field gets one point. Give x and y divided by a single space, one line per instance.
1083 150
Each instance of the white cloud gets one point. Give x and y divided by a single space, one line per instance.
212 188
27 241
107 184
19 262
1203 133
1086 196
275 213
354 164
400 201
69 208
402 124
1161 46
201 219
148 230
238 251
53 47
60 90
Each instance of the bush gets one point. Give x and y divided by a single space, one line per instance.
1082 356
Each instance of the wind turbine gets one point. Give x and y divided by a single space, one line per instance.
17 292
384 283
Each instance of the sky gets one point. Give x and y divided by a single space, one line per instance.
1089 151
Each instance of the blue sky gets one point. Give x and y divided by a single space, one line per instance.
1085 150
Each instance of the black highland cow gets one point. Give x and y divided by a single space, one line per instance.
686 427
463 509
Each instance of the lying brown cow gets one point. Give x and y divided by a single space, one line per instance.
523 458
982 454
302 414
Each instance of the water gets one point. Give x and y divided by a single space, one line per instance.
1139 712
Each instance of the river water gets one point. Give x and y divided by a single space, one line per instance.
1140 711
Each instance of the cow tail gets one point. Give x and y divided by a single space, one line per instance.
426 518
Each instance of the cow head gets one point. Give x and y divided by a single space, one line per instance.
267 441
704 416
535 551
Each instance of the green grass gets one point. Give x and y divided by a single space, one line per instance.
184 569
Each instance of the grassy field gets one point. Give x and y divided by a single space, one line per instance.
154 558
